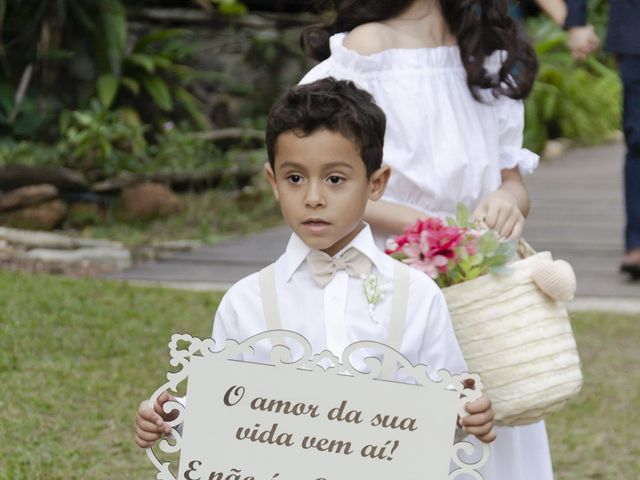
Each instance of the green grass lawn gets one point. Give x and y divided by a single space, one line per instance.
76 358
597 436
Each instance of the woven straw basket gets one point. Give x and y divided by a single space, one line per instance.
519 339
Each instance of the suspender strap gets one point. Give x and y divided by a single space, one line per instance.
398 316
396 323
269 298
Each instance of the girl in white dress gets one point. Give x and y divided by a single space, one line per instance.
450 76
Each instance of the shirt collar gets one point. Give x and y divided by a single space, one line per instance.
297 250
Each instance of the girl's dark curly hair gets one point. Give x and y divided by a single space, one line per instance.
481 27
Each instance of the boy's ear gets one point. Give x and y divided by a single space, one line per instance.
378 182
271 176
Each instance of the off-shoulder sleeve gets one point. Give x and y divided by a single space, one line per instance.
510 131
322 70
345 64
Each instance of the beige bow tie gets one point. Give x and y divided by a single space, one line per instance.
323 267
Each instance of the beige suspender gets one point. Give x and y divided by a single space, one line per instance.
270 302
398 309
269 298
398 316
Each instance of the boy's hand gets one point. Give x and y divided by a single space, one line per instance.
479 422
151 422
500 212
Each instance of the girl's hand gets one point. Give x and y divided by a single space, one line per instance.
479 422
150 422
500 212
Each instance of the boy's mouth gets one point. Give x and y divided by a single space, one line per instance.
316 225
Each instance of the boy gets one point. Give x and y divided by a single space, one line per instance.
324 142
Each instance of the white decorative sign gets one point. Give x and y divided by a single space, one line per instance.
309 417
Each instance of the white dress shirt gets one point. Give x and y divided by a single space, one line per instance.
337 315
333 317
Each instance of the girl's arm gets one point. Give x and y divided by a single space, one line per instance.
390 218
505 209
512 183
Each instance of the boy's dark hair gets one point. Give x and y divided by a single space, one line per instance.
335 105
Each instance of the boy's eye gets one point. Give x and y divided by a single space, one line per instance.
335 179
294 178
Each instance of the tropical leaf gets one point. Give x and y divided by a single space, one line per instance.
83 13
194 107
132 85
7 96
161 61
159 91
146 62
110 38
230 7
107 87
159 36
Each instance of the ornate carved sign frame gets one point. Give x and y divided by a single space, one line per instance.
305 416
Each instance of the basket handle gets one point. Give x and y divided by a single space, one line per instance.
524 250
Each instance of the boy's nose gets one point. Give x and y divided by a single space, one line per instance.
314 196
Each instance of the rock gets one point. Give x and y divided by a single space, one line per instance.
45 216
177 245
16 176
116 183
117 257
29 239
82 214
185 180
96 243
27 196
149 200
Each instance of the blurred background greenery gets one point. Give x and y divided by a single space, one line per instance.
86 84
177 91
578 101
97 85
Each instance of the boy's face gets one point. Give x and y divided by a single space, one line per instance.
321 183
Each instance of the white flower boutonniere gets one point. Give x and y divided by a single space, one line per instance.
374 289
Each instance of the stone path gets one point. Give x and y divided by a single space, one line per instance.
577 213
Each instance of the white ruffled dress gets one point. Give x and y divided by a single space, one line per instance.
445 147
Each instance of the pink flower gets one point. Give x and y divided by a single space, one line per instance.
419 256
429 245
430 266
395 245
443 239
471 248
439 250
